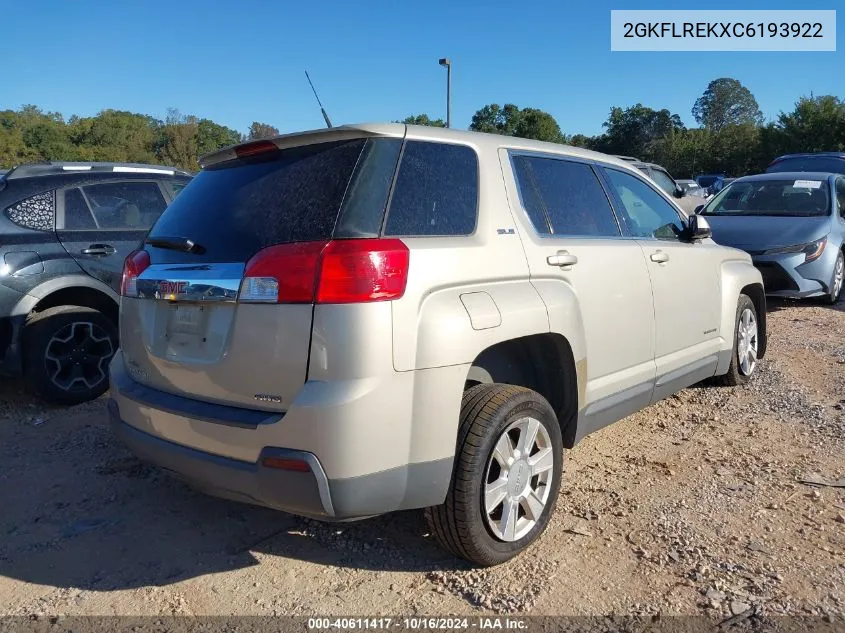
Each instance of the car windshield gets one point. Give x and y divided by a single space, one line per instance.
801 198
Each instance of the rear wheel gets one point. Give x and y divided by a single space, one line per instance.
506 476
838 280
67 353
746 344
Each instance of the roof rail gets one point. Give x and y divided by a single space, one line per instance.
630 159
53 168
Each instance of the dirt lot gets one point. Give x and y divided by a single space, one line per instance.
693 506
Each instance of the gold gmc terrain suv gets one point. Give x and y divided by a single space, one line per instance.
352 321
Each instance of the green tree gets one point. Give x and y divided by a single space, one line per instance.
261 130
179 146
116 135
726 102
422 119
496 119
212 136
538 125
634 131
13 149
817 124
580 140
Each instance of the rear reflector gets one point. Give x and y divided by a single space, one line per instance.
257 147
281 463
134 264
340 271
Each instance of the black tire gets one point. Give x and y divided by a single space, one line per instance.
735 375
832 298
74 370
460 524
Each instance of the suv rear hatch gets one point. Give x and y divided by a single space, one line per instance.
218 305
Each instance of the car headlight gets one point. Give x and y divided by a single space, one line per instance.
812 250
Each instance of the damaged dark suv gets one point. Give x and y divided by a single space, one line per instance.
65 229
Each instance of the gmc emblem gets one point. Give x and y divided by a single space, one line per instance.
172 287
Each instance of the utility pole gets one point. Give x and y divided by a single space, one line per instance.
448 65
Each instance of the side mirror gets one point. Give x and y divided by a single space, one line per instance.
698 209
698 228
679 191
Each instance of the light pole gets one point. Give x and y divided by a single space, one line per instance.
445 62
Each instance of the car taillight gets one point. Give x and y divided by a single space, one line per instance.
134 264
341 271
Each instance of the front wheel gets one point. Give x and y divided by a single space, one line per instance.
838 279
506 476
746 344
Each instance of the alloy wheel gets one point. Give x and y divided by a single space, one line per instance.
77 356
838 277
518 479
747 342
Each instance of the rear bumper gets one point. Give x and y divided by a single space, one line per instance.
142 417
301 493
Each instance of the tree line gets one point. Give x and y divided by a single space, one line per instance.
31 135
732 136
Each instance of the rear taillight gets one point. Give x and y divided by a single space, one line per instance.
342 271
357 271
134 264
282 274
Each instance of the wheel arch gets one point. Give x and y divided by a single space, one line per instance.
544 363
76 290
757 294
739 276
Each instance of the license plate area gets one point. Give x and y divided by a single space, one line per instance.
186 318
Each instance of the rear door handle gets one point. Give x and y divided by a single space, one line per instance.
562 259
660 257
99 249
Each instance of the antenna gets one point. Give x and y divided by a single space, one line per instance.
322 109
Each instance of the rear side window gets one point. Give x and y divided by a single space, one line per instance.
77 215
564 198
236 208
436 191
37 212
809 163
125 206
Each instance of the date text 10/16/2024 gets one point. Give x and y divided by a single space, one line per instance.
416 623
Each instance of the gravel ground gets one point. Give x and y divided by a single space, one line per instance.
693 506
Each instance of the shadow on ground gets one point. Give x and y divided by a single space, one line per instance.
78 510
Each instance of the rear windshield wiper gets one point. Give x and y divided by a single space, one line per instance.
182 244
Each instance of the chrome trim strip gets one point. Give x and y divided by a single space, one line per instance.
191 282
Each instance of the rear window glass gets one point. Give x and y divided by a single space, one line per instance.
436 191
237 208
809 163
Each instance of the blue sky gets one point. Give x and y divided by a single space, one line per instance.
238 62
